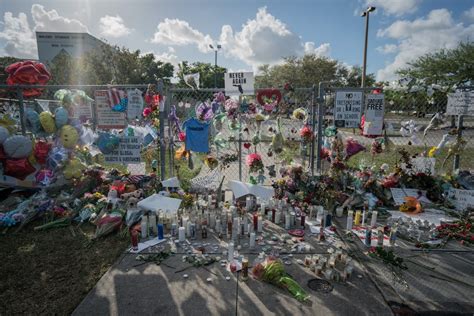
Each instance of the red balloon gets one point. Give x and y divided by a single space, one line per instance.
41 151
28 72
18 168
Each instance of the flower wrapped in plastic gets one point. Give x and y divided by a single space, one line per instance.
353 147
108 224
254 162
272 271
306 134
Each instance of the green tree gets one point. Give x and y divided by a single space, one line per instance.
206 72
446 67
308 70
352 77
4 63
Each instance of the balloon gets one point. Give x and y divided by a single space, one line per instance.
41 151
4 134
18 168
73 169
47 122
56 156
68 136
108 143
61 117
33 121
204 111
18 146
28 72
274 95
221 141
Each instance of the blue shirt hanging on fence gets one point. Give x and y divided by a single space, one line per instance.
197 135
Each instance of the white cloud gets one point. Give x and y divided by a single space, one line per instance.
20 37
395 7
469 14
387 49
113 26
168 57
323 50
51 21
420 36
262 40
179 32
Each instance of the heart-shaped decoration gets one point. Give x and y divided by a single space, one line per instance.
247 145
272 94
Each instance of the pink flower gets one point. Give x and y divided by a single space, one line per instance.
253 158
181 136
146 112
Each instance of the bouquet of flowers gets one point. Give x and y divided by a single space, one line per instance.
306 134
273 271
254 162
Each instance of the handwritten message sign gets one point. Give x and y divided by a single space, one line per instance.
106 118
348 109
460 103
135 104
462 198
127 153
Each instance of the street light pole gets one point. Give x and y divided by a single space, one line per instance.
218 46
366 13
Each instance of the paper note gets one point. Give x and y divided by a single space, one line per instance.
171 183
400 194
462 199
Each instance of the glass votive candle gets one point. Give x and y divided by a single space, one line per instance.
318 269
348 271
332 261
328 274
323 261
307 261
339 211
316 259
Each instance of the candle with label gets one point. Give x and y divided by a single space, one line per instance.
144 227
373 220
152 224
252 240
181 233
287 221
161 230
349 220
260 224
230 252
357 218
218 226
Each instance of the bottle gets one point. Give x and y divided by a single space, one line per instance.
245 269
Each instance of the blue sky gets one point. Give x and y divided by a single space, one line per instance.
251 32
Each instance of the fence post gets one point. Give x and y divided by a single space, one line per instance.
169 97
159 89
240 139
456 157
320 126
19 93
313 127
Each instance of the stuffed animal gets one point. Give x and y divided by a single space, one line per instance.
68 136
18 146
33 121
74 169
61 117
4 134
47 122
135 194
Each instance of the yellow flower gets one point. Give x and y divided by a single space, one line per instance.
432 151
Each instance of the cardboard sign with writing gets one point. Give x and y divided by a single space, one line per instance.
374 112
127 153
106 118
135 104
460 103
347 109
233 80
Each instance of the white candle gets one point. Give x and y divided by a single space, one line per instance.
269 215
246 224
248 204
373 220
185 224
235 228
213 222
181 232
218 226
339 211
252 240
262 208
152 224
230 252
188 229
287 221
277 217
260 224
363 218
349 220
144 227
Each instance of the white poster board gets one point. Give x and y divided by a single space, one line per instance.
462 198
233 80
347 109
127 153
106 118
460 103
135 104
240 189
374 112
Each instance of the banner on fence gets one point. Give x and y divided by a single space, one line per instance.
348 109
374 112
237 83
460 103
106 118
127 153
